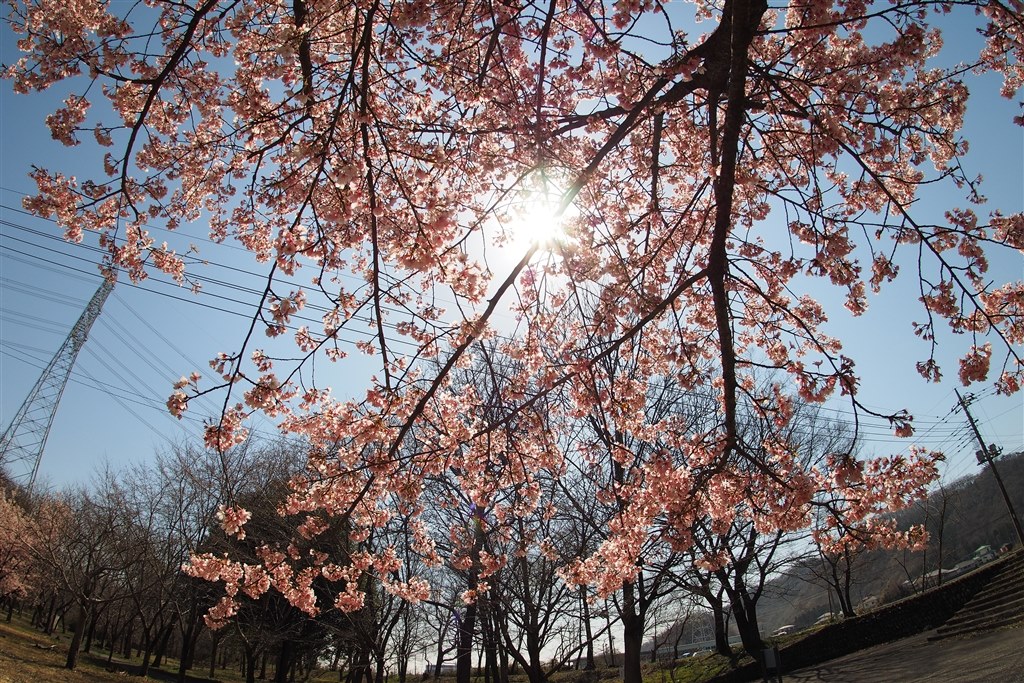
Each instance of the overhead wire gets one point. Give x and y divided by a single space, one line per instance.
225 244
250 290
878 434
134 414
140 349
873 430
150 359
22 353
203 292
883 435
34 260
193 261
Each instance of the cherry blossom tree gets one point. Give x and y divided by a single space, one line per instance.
841 538
714 167
741 557
15 563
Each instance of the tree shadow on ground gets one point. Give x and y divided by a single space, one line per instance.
155 674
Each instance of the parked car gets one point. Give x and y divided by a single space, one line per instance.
783 631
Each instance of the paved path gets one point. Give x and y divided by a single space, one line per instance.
994 657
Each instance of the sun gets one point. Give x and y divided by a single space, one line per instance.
538 224
536 218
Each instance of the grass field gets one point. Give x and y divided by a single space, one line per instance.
28 656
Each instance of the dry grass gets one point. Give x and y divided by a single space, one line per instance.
28 656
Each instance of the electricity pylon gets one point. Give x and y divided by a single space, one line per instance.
21 447
703 629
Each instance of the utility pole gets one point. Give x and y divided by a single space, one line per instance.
988 454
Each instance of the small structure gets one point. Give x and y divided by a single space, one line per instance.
771 665
985 553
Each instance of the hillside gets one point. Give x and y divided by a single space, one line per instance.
960 517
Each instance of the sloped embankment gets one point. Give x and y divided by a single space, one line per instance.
900 619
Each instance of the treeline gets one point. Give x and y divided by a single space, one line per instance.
968 513
498 586
105 561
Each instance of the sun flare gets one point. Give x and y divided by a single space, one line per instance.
536 219
539 225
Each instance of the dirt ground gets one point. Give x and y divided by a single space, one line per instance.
994 657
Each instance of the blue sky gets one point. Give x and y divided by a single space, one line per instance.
113 408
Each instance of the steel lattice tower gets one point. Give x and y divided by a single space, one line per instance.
21 447
703 629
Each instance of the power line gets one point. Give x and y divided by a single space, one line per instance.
871 429
203 292
35 358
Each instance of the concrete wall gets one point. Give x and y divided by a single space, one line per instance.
900 619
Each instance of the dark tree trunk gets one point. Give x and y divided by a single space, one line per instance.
162 641
464 652
76 639
361 671
632 635
403 668
126 648
490 654
847 604
148 644
535 668
51 616
188 642
107 634
249 662
91 632
190 654
502 662
214 642
439 660
714 599
284 661
37 613
587 630
467 625
722 646
114 635
147 659
750 635
744 611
